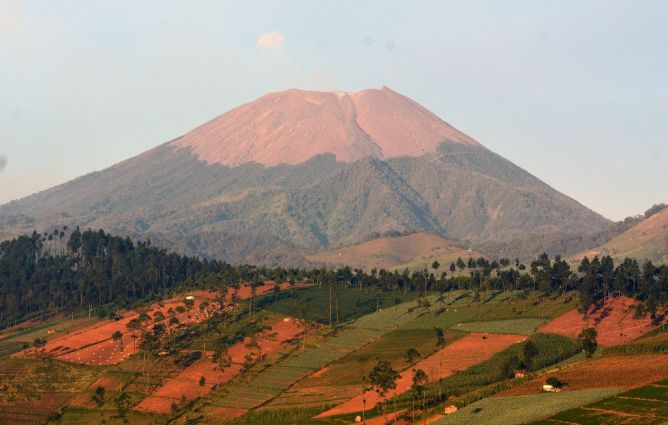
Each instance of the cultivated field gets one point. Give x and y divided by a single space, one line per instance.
614 322
467 351
521 409
510 326
647 405
617 371
186 384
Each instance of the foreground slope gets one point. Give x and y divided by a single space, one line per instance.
298 172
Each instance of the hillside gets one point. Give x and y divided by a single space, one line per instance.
414 251
647 240
215 194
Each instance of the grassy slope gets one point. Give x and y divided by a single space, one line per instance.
412 251
645 405
521 409
646 240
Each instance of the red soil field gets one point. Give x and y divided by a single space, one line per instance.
186 383
614 371
614 322
229 412
465 352
93 345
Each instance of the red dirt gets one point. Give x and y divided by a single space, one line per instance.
186 383
93 345
292 126
228 412
614 371
461 354
614 322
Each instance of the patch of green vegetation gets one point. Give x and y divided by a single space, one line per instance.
31 380
348 303
523 408
460 307
509 326
291 416
109 416
644 405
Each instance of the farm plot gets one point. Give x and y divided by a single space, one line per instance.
188 383
33 389
93 345
341 380
644 405
612 371
614 322
467 351
510 326
522 409
458 307
278 378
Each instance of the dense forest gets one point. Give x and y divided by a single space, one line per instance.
43 274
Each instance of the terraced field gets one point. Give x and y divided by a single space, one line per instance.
280 377
646 405
522 409
509 326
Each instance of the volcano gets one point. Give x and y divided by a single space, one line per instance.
297 172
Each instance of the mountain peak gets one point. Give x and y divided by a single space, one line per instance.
292 126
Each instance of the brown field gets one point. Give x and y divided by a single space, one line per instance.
467 351
186 383
413 251
614 322
93 345
614 371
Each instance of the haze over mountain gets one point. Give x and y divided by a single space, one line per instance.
296 172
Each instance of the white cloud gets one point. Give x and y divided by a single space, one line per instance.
270 41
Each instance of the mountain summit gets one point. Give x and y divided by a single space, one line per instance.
298 172
293 126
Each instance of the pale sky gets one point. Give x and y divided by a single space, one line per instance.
575 92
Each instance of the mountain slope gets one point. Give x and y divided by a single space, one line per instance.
647 240
414 251
209 193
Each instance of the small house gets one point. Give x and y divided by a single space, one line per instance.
520 374
449 409
550 389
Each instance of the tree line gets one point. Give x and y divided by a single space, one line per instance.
49 273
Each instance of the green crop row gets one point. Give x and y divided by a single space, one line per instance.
523 408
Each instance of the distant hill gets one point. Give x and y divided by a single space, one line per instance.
298 172
414 251
647 240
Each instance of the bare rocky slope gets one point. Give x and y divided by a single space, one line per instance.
296 172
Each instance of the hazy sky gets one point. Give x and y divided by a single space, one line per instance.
574 92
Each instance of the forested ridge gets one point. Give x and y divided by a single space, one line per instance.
50 273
